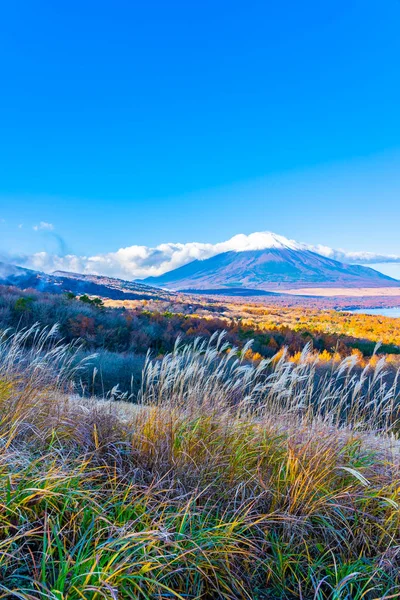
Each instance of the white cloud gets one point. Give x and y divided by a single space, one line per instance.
137 262
43 226
361 258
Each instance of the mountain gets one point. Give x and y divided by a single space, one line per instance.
110 287
282 265
93 285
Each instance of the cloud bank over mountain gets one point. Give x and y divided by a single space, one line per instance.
136 262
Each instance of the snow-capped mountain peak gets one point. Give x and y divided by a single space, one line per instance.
265 261
262 240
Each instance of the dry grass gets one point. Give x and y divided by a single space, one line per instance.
229 481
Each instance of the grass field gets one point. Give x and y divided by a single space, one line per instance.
227 481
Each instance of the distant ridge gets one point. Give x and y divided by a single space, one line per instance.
63 281
111 283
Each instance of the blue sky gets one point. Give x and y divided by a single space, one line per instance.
137 123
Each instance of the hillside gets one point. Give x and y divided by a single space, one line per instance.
62 281
110 287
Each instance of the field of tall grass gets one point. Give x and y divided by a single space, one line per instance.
226 480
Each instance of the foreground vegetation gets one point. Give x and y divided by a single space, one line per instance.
227 481
122 336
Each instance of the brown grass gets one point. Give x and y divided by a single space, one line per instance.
229 481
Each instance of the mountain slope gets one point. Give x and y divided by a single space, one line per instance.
271 268
106 286
62 281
